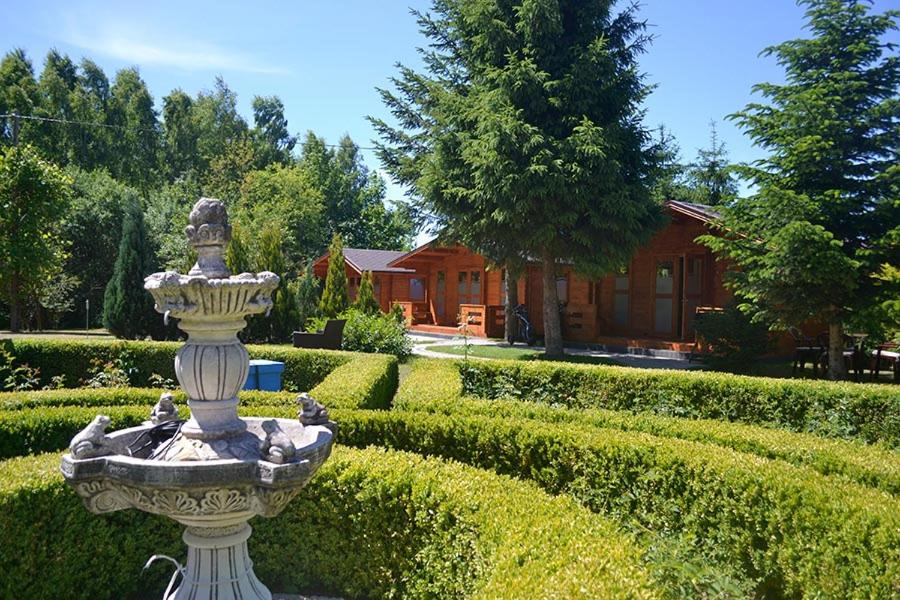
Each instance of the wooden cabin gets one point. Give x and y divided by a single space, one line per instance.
651 304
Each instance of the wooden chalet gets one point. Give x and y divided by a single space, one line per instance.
651 304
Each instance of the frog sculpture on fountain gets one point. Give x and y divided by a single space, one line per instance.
216 470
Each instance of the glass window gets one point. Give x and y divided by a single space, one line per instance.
622 281
376 284
665 277
694 274
663 315
620 310
417 290
503 287
475 292
562 288
462 287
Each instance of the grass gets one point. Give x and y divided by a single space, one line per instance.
514 353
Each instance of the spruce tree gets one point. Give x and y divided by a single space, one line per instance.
238 255
127 307
335 298
307 291
365 297
524 135
813 242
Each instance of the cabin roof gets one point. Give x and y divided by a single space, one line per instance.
701 212
364 259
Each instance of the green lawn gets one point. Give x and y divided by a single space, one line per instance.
513 353
58 334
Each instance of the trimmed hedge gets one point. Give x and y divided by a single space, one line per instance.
303 369
364 381
371 523
794 530
436 387
870 412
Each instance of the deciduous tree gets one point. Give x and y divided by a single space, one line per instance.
34 196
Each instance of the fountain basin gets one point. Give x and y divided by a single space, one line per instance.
199 493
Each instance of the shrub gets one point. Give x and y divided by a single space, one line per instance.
795 531
866 411
365 297
375 333
434 386
74 360
335 298
370 524
735 342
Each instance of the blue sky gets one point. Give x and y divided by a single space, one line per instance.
324 59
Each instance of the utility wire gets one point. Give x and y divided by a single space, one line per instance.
121 127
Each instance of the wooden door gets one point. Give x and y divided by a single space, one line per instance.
694 280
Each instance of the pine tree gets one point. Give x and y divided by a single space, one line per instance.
365 297
524 137
813 241
711 178
335 298
307 291
127 307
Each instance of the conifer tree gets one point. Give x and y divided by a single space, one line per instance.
127 307
238 255
307 291
335 298
812 243
524 135
365 297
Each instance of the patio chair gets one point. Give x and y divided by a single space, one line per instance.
805 350
890 353
329 338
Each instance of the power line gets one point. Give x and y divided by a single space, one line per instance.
120 127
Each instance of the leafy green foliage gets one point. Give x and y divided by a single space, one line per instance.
376 332
868 412
365 296
435 386
335 298
34 196
524 136
810 243
431 529
127 308
734 341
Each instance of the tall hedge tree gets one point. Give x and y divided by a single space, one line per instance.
335 298
365 297
826 219
34 196
127 307
523 137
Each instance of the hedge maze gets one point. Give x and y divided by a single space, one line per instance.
499 480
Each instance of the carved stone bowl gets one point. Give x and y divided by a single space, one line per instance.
199 493
199 298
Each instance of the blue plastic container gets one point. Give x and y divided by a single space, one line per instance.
264 375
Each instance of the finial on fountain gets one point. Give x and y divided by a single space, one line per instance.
209 233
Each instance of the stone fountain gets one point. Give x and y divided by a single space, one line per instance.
215 471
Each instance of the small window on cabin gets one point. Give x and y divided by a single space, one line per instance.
376 285
562 288
475 292
622 281
665 277
417 290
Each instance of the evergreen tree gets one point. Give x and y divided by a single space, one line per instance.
307 292
813 242
365 297
238 255
335 298
180 135
127 307
524 136
711 178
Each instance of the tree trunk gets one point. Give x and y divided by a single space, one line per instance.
552 327
837 368
15 303
511 325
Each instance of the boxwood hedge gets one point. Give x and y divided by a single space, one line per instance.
436 387
796 531
371 523
303 369
870 412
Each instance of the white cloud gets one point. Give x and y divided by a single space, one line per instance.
128 43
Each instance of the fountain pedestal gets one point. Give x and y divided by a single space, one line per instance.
216 471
